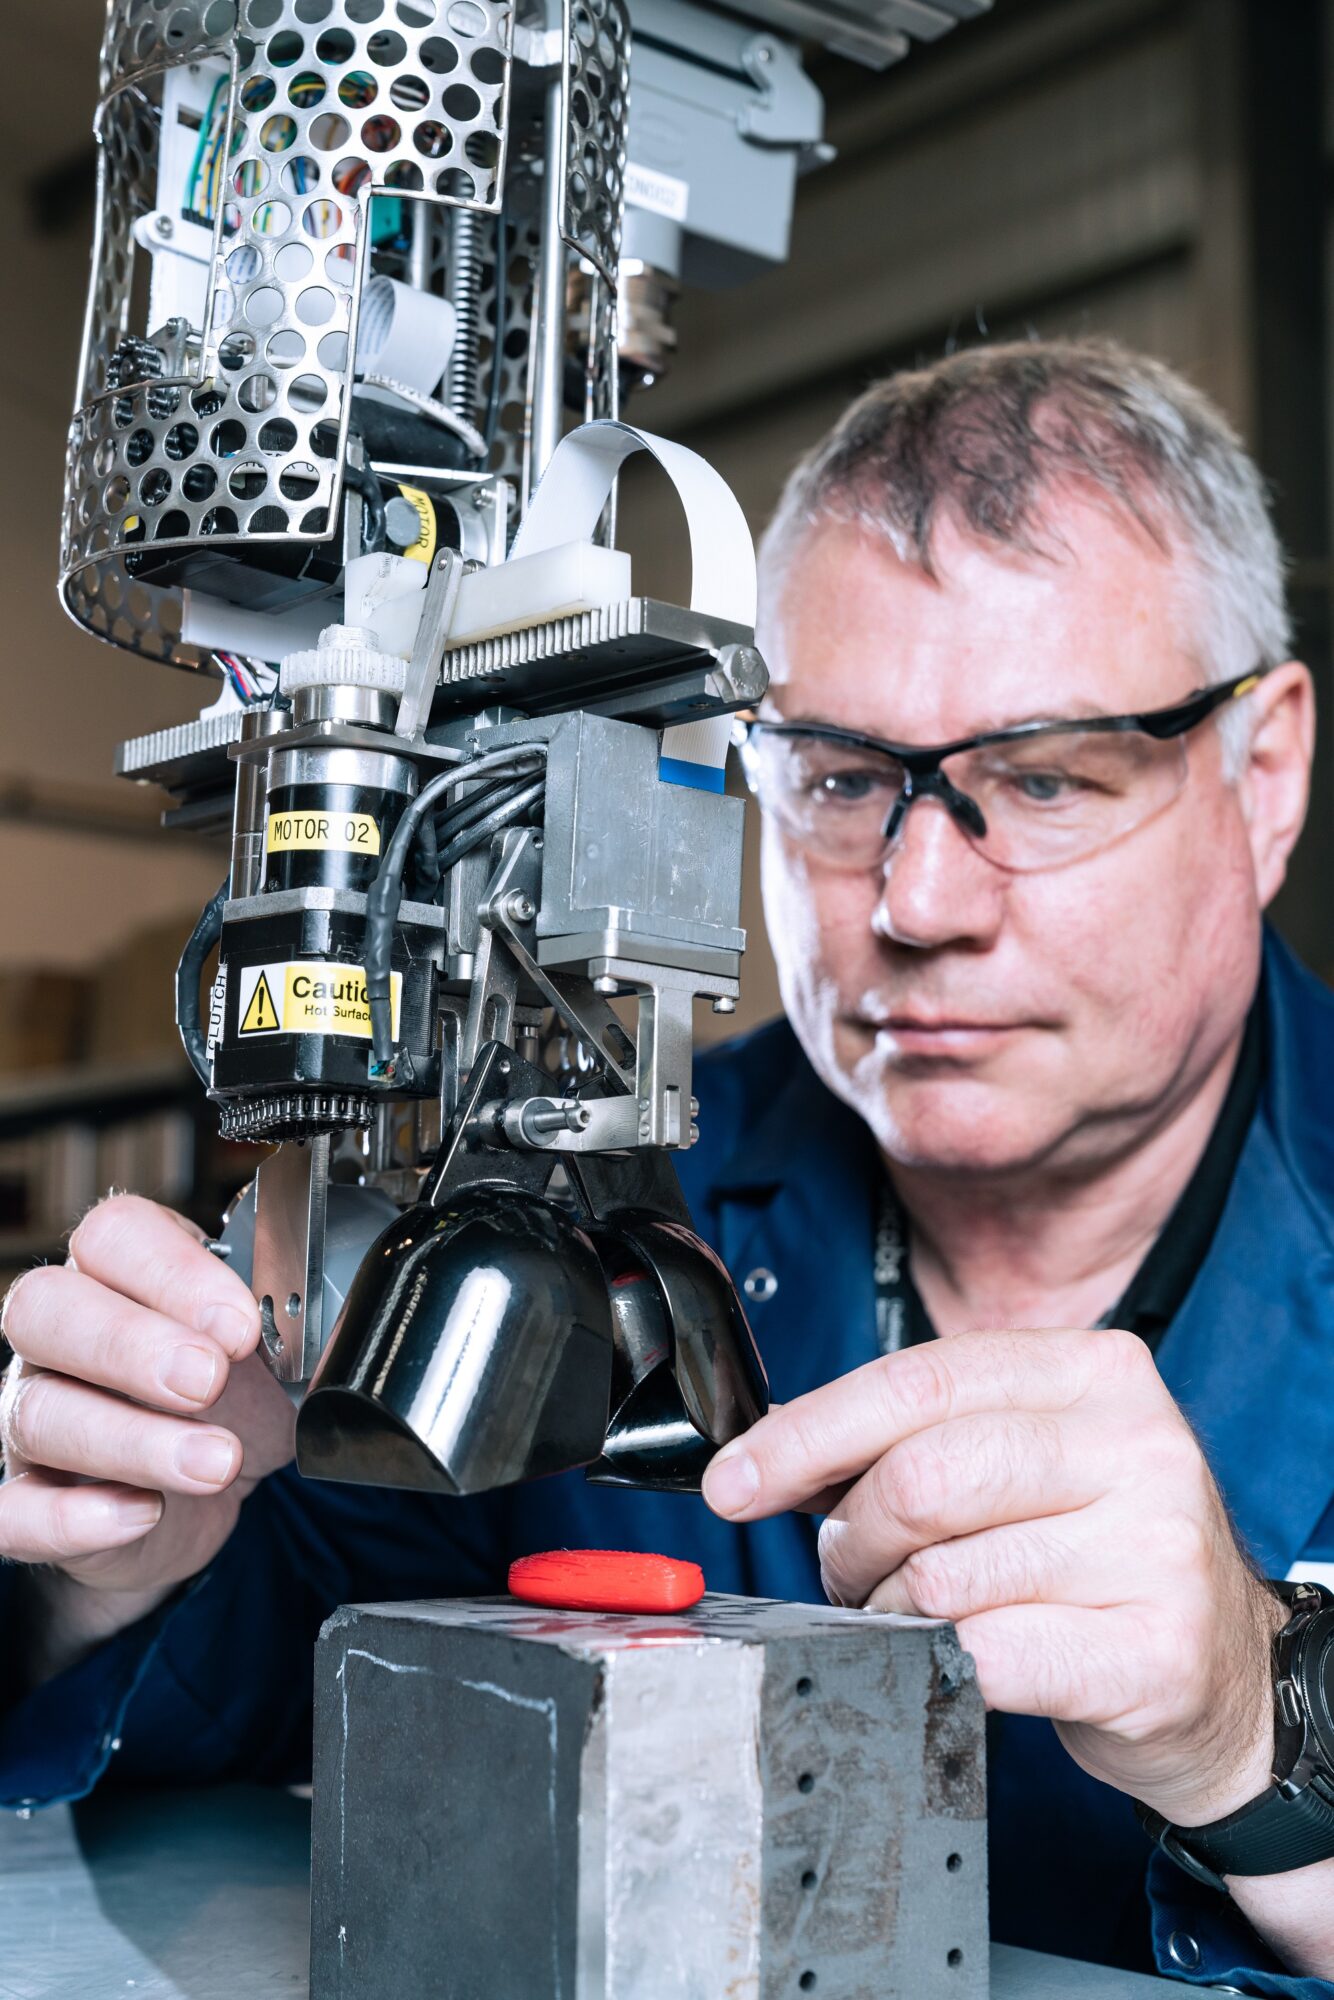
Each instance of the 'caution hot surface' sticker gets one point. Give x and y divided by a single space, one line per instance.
308 997
323 833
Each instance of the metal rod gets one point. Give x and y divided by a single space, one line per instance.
419 266
248 812
549 331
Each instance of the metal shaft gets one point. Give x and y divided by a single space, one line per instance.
419 266
248 813
548 363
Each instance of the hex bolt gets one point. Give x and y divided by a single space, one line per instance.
606 984
724 1004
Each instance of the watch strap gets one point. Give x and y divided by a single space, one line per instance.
1270 1836
1291 1824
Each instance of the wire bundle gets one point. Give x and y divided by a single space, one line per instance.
518 786
252 680
204 188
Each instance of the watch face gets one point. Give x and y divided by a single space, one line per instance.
1315 1677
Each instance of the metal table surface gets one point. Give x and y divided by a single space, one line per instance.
204 1896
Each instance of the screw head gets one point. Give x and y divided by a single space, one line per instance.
165 226
605 984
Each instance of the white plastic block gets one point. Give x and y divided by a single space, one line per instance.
384 592
218 627
530 590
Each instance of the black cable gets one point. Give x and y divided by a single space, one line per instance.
463 843
386 895
471 810
495 822
374 535
435 832
428 860
382 914
188 975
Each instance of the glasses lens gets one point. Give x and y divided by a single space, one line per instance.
1049 799
832 798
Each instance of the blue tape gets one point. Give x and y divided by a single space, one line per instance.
699 777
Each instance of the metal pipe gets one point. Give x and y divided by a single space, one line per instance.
248 812
419 264
549 329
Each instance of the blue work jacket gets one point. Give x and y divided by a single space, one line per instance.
784 1182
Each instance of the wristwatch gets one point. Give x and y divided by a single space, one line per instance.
1291 1824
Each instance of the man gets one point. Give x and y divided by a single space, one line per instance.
1043 1072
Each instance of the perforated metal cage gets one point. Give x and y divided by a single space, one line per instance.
220 345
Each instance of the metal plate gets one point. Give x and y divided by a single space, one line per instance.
206 1896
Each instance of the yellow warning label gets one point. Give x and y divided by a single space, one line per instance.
310 997
423 549
261 1016
307 832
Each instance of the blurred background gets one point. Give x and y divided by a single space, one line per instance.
1154 169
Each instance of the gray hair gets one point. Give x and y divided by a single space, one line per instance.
983 436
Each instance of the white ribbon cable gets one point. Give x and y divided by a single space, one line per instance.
568 505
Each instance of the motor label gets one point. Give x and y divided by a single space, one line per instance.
423 549
308 997
323 832
659 193
217 1010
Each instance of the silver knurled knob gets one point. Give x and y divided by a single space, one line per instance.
347 656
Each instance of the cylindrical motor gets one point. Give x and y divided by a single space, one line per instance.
330 816
294 1014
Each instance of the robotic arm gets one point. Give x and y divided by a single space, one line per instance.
366 296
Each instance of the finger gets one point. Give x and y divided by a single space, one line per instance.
63 1320
835 1432
66 1426
956 1479
1062 1661
1069 1559
44 1519
158 1259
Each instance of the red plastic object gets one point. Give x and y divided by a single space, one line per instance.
606 1580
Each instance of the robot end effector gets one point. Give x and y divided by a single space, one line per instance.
357 268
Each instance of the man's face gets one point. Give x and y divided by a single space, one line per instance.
984 1021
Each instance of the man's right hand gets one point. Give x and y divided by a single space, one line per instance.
134 1420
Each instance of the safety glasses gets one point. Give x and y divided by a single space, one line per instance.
1033 796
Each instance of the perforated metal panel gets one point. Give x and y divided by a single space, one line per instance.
328 103
597 86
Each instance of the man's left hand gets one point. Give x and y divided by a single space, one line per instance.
1043 1492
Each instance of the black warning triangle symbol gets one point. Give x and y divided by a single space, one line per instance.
261 1016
